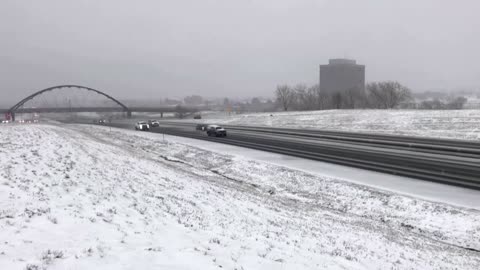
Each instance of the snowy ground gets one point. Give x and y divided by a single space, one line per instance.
427 190
87 197
454 124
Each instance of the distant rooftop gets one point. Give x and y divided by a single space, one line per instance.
341 61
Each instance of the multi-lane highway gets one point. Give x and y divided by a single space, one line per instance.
445 161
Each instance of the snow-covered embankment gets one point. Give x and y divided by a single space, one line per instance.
91 198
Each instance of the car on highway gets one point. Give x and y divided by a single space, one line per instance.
142 125
217 131
153 123
102 122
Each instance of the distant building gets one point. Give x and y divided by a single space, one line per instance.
341 75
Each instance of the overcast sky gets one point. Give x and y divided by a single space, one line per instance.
232 48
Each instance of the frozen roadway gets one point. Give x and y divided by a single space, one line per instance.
444 161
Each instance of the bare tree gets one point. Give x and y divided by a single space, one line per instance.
336 100
300 87
353 98
436 104
314 100
285 96
457 103
320 98
350 97
303 99
387 94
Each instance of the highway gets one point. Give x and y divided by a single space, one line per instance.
444 161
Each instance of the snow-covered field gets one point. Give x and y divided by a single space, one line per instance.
453 124
87 197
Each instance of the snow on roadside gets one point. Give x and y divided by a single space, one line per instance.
450 124
88 197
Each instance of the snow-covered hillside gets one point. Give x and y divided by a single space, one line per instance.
459 124
87 197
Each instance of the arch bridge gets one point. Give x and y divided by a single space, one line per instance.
19 106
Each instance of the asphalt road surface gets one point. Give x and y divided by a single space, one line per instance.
444 161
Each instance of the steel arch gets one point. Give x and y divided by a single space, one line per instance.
23 101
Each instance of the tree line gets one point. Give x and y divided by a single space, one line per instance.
455 103
377 95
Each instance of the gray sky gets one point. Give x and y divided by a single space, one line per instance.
232 48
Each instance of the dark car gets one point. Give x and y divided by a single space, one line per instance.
197 116
217 131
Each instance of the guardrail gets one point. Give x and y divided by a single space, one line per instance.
430 145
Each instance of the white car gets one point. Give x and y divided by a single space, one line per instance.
153 123
142 125
5 121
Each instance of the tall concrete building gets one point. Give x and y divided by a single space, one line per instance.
342 75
